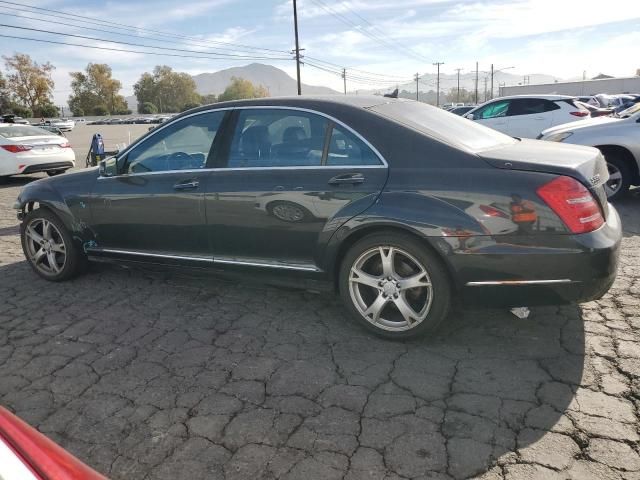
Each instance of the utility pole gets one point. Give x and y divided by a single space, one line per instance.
485 88
476 95
491 81
437 64
295 28
417 86
458 94
344 78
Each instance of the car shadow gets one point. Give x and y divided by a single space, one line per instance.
18 181
628 209
104 362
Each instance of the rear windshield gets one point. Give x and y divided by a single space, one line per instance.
447 127
22 131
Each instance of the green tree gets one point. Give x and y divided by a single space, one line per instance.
100 110
241 88
5 101
49 110
21 111
208 99
189 106
95 87
29 83
170 91
147 107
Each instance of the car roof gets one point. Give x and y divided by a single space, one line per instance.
544 97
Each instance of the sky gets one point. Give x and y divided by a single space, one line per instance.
380 42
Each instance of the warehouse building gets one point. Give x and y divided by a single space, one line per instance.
579 88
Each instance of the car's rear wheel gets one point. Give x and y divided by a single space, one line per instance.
619 177
395 286
53 173
48 246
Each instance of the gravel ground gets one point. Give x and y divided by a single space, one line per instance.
171 375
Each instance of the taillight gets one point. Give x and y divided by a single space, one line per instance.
65 145
573 203
16 148
580 113
492 211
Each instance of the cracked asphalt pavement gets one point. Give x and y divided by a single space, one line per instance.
167 375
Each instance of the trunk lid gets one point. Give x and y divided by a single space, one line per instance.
585 164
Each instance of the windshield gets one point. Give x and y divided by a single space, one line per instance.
447 127
15 131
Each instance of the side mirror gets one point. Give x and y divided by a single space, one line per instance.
102 168
470 116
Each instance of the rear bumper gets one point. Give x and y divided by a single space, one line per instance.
519 272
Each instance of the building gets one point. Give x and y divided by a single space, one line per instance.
583 87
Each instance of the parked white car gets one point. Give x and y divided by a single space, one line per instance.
525 116
64 124
26 149
618 138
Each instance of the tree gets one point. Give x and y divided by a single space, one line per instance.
49 110
241 88
94 88
189 106
170 91
100 110
147 107
29 83
20 111
208 99
4 94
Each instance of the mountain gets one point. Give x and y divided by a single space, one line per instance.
276 81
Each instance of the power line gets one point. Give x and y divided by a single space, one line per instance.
41 40
95 21
85 37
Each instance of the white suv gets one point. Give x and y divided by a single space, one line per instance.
526 116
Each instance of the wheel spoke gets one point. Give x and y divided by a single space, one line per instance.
359 276
53 264
405 310
46 229
616 175
387 261
375 309
33 235
39 256
58 247
419 280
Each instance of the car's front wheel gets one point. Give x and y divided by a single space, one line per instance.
48 246
619 177
395 286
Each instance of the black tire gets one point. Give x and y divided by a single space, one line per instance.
353 293
625 171
75 260
53 173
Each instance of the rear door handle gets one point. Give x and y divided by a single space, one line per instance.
188 185
347 178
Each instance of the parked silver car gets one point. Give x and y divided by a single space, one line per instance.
617 137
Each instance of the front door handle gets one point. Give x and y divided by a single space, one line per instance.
188 185
347 178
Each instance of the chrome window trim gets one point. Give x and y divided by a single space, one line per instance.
218 260
255 107
518 282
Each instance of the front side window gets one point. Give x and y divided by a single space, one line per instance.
183 145
493 110
277 138
531 106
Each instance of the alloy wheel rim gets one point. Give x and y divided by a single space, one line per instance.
390 288
614 184
288 213
45 246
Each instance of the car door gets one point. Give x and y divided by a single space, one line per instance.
292 178
154 204
494 115
530 116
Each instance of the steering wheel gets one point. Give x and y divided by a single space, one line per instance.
179 158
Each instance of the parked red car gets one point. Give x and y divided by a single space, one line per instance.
26 454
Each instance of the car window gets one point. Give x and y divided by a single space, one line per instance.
530 106
493 110
183 145
15 131
277 138
347 149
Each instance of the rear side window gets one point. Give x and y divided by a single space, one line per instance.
347 149
531 106
493 110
